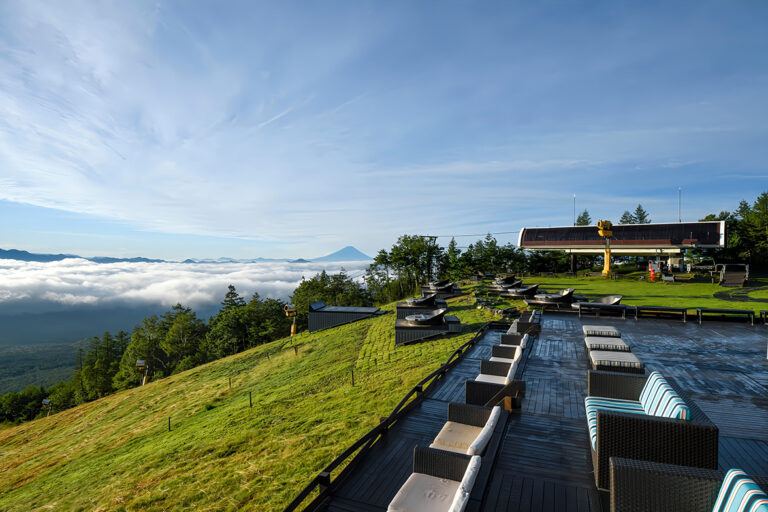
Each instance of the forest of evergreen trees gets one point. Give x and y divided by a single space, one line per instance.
179 340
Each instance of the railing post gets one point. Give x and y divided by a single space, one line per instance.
324 481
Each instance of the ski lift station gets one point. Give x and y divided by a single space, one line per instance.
669 240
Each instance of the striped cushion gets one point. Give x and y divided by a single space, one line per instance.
595 403
612 358
605 343
601 330
659 399
739 493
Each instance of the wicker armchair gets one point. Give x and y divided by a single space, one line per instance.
651 438
440 480
641 486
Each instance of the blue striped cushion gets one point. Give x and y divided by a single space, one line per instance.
659 399
595 403
739 493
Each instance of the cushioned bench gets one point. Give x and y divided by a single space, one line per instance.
644 486
441 482
468 429
614 361
645 418
605 343
601 330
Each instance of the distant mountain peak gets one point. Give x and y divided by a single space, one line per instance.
348 253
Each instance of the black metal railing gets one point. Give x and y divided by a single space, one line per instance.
323 483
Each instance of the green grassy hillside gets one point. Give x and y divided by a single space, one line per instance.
117 454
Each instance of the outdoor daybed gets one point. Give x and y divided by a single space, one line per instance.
443 289
642 486
468 429
441 482
645 418
418 327
608 304
427 305
504 284
615 360
519 292
560 299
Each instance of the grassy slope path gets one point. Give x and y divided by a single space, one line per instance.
117 454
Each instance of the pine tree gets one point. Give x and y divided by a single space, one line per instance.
584 219
627 218
641 216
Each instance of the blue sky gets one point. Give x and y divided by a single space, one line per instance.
288 129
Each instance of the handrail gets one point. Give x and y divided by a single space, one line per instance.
323 478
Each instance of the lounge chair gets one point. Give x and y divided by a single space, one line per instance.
643 486
468 429
420 326
443 289
519 292
506 281
420 305
560 299
645 418
441 482
561 296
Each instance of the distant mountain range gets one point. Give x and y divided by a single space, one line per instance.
348 253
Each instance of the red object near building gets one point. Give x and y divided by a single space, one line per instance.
653 275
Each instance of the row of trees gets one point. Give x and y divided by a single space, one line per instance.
747 233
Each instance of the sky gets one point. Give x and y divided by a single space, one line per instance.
197 129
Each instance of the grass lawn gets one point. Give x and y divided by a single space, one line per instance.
645 293
117 454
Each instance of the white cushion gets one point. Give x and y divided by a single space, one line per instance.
501 360
493 379
456 437
459 501
511 372
424 493
477 446
473 468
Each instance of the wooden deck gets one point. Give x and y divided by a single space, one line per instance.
543 460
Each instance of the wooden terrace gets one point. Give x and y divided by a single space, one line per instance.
543 460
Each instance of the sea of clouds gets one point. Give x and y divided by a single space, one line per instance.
72 283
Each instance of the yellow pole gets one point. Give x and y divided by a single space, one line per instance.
607 264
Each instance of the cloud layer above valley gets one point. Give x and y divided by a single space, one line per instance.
76 283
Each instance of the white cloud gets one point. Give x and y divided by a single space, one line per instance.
77 282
